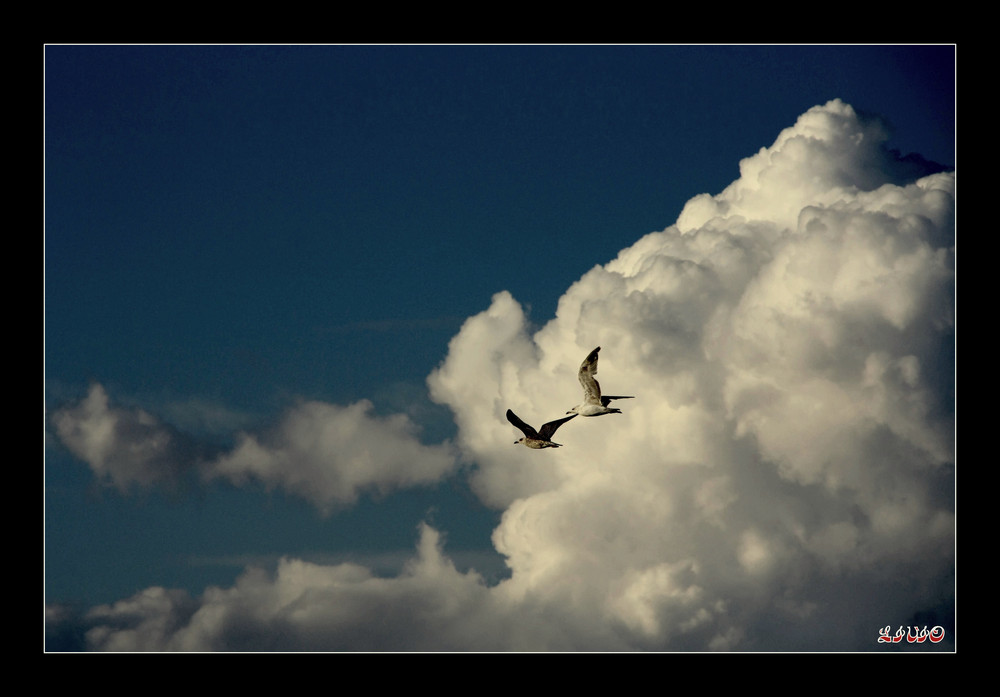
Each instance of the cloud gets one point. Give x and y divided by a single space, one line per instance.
127 448
327 454
783 480
791 442
302 606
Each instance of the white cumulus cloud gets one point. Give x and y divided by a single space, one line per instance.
325 453
328 454
787 342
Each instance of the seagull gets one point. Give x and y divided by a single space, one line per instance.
593 403
537 439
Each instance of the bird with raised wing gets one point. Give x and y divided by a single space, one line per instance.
594 404
542 438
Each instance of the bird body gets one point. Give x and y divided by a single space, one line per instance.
542 438
594 404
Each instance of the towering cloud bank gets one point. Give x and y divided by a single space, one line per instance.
782 480
788 341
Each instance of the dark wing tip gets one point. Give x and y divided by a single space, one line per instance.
590 360
521 426
607 398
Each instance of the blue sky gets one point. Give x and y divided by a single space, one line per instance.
234 231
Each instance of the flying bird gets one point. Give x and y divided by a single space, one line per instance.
542 438
593 403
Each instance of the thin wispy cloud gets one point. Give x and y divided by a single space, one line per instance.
387 326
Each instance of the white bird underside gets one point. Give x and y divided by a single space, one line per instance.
594 404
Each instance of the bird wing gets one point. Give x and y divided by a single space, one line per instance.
525 428
607 399
588 369
549 429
